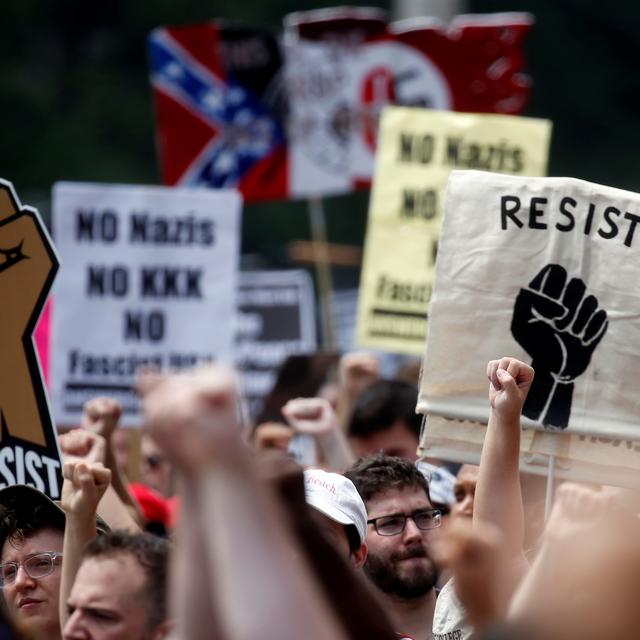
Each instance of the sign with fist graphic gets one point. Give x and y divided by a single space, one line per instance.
545 270
28 263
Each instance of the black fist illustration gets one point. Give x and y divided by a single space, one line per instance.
559 326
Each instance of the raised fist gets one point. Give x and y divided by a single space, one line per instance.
84 485
27 267
101 415
192 415
559 326
313 416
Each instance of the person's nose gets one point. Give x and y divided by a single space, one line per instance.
73 628
24 580
411 532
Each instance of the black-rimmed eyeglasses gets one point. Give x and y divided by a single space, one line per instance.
394 524
36 565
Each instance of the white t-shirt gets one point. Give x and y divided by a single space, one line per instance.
449 617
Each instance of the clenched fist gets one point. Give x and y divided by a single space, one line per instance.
27 267
560 326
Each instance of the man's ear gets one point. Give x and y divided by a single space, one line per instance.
161 631
359 556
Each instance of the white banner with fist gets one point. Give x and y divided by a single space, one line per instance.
546 270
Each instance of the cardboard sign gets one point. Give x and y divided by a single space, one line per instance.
579 458
148 279
419 148
276 319
29 451
544 270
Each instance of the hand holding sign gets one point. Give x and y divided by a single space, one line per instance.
27 267
560 327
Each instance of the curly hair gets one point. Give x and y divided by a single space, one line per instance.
152 554
376 474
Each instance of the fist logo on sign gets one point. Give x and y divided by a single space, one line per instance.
27 267
559 326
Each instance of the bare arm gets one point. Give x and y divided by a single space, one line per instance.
357 371
249 549
101 415
315 417
84 485
89 447
191 597
498 499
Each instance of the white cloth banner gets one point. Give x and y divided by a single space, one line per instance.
148 277
543 269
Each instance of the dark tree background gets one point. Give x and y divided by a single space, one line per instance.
75 102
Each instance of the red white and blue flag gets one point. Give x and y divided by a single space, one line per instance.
236 107
219 123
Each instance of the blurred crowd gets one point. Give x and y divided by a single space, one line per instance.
319 521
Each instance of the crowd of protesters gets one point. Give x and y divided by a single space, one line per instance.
318 523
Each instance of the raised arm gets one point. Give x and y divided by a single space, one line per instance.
83 487
315 417
357 371
88 446
101 415
248 545
498 499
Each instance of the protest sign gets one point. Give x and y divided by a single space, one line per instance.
580 458
234 108
541 269
419 148
345 64
276 319
29 451
148 278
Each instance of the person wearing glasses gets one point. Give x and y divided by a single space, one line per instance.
31 533
400 525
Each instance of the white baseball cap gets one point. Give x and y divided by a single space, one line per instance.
337 498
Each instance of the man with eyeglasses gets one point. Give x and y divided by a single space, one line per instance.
401 521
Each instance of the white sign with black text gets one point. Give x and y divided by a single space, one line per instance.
148 277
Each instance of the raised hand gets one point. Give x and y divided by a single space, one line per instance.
312 416
510 381
358 370
83 445
101 415
192 416
83 487
27 267
559 326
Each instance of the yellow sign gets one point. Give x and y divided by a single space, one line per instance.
418 148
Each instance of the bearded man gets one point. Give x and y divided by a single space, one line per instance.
401 522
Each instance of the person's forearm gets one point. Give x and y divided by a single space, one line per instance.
191 599
252 559
119 484
79 530
498 498
336 451
115 512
